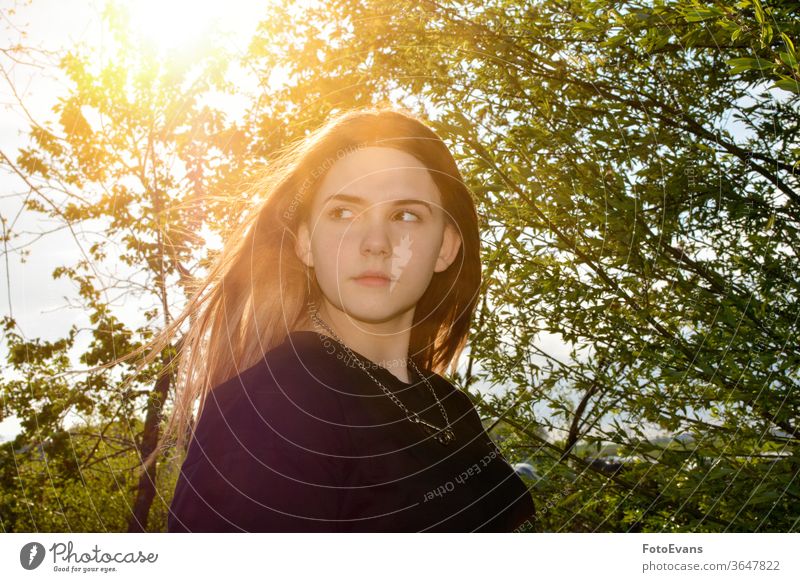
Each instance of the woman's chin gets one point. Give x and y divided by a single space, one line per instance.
374 313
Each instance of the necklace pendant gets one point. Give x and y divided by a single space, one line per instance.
445 437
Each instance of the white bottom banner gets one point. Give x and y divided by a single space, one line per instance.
354 557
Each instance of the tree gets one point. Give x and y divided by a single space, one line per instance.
134 153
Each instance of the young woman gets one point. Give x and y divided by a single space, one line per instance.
317 352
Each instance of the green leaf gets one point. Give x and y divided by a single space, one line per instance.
585 28
759 11
771 221
787 85
746 63
789 45
614 41
698 14
788 59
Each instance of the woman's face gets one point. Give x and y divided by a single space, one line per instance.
377 210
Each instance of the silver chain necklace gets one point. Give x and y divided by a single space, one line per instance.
443 435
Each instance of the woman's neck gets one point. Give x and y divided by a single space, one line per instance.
385 344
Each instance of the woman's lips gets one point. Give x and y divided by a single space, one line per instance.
372 281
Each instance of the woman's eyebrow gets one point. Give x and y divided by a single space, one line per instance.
359 200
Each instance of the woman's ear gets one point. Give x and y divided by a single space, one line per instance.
302 245
451 242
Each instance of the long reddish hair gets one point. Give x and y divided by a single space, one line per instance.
258 290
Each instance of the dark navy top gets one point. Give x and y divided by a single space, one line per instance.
305 441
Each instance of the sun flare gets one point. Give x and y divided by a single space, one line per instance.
170 25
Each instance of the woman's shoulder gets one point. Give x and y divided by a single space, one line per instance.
280 401
445 388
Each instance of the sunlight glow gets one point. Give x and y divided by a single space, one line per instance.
170 25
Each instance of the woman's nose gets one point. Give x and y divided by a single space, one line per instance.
374 233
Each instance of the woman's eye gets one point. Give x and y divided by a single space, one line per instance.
336 212
414 216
